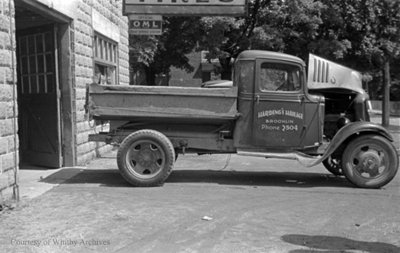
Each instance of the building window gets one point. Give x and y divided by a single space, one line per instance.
105 60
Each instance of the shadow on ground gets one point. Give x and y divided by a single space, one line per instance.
331 244
33 167
112 178
104 177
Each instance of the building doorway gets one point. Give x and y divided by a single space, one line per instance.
39 107
40 80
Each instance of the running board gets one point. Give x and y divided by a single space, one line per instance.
303 159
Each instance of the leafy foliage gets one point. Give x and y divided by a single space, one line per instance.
142 50
363 34
156 55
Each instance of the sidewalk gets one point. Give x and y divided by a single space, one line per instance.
32 181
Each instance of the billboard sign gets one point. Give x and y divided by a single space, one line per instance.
186 7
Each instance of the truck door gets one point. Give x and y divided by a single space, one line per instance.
279 115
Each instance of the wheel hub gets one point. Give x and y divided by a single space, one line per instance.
370 161
145 158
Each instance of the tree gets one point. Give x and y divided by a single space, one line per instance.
372 29
225 37
288 26
382 41
363 34
141 54
277 25
156 55
273 25
221 38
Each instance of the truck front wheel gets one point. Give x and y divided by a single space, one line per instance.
370 161
146 158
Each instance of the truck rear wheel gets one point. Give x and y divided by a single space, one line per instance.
146 158
370 161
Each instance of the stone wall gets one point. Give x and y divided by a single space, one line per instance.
110 10
82 72
8 142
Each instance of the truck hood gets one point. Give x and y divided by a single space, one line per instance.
325 74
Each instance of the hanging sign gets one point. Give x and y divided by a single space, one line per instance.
145 24
186 7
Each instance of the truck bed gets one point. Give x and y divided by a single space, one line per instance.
106 102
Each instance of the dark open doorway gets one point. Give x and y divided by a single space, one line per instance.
44 88
39 110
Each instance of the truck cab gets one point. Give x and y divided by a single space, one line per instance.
275 107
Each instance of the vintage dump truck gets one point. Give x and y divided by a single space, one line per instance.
272 110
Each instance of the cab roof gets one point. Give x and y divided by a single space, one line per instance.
259 54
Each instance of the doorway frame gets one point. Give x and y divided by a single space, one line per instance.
65 80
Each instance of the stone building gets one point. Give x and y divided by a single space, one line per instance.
49 51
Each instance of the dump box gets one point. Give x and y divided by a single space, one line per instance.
155 102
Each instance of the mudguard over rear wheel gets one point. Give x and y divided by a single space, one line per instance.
370 161
145 158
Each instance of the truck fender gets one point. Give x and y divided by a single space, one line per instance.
351 129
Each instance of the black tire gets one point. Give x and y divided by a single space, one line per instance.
333 165
145 158
370 161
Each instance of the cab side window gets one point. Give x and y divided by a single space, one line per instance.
244 75
279 77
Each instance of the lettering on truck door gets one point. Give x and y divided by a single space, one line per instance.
278 109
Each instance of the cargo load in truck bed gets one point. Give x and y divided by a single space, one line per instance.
157 102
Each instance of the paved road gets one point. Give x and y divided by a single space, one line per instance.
217 203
